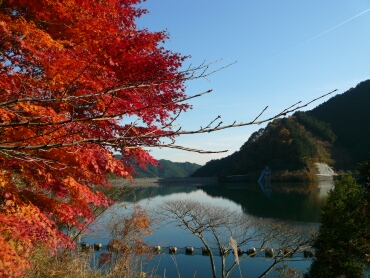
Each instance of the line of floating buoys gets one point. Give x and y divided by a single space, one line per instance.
114 246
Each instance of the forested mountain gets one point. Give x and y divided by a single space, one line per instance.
336 132
349 117
284 144
167 169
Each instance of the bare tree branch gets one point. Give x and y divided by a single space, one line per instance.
214 225
135 141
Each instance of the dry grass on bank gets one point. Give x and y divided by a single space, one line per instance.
61 265
73 264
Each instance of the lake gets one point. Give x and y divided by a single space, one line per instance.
299 203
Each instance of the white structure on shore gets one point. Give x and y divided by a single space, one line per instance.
323 171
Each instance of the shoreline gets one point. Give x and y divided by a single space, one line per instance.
165 181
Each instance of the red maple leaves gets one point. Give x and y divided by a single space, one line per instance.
71 72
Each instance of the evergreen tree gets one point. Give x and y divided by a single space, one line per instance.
343 243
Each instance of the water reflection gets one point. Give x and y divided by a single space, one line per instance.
286 201
296 202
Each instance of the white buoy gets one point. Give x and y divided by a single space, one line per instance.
98 246
189 250
85 245
224 251
172 249
269 252
205 251
251 251
157 248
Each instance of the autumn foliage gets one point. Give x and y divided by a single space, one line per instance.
127 243
74 74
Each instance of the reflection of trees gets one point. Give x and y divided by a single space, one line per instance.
288 201
145 192
229 230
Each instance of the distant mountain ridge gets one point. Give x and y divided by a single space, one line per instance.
167 169
336 132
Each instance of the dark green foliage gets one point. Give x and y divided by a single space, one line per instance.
282 145
217 167
349 117
343 243
364 172
166 169
318 128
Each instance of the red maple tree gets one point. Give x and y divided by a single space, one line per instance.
70 72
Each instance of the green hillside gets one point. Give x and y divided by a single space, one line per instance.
167 169
284 144
336 132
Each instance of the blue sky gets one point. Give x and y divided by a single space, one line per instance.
286 51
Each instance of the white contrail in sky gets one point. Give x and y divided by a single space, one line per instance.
317 36
335 27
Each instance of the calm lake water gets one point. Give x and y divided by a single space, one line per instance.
298 203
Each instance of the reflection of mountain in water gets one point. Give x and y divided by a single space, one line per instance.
296 202
287 201
149 192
